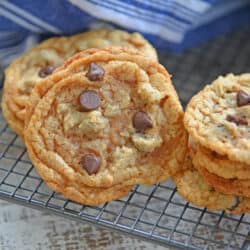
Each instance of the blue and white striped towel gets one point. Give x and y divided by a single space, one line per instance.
169 24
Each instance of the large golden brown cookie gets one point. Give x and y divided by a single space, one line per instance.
106 117
191 185
218 117
39 62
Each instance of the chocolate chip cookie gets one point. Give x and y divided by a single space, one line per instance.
41 61
218 117
106 117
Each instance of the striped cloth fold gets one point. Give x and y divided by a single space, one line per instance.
172 25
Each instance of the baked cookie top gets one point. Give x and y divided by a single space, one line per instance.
41 61
218 117
107 116
191 185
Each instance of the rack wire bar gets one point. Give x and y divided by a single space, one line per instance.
155 213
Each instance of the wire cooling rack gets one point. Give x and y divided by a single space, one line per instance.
155 213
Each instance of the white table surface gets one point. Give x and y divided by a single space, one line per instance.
24 228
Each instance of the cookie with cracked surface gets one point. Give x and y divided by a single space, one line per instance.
107 117
196 190
218 164
22 75
218 117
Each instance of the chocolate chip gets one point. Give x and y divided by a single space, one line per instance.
237 120
142 121
89 100
95 72
236 203
91 163
242 98
46 71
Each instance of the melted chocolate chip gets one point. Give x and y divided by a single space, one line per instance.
242 98
91 163
236 204
46 71
95 72
89 100
142 121
237 120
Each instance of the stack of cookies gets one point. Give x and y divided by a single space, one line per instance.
218 122
99 122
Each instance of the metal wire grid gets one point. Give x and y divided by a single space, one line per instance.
156 212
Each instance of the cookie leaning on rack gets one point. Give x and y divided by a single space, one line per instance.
22 74
106 117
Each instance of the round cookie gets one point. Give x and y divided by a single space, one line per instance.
221 165
194 189
39 62
227 186
218 117
107 117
